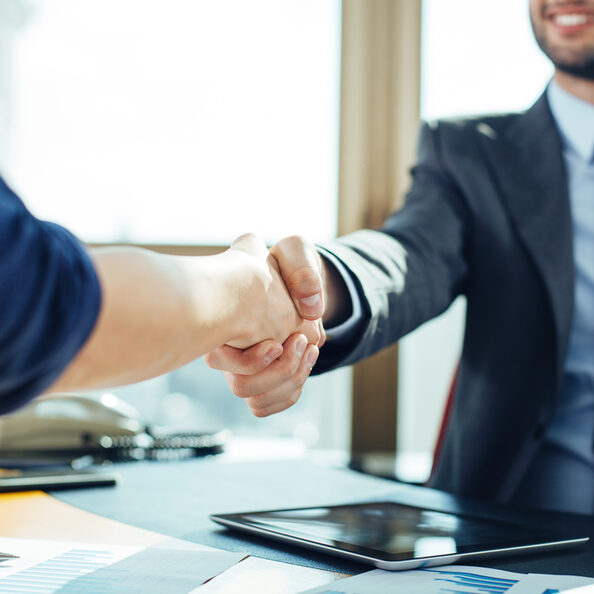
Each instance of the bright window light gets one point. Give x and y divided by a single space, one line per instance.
178 121
181 121
479 57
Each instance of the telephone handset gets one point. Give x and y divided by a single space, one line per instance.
64 427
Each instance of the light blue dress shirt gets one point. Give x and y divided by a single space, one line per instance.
570 435
562 475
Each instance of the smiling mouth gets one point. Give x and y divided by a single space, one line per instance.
572 19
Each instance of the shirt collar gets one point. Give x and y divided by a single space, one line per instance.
575 119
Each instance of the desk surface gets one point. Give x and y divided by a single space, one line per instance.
157 500
176 499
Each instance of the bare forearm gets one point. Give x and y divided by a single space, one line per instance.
158 313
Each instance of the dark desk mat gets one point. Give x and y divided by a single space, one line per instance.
176 498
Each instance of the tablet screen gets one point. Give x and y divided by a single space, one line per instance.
391 531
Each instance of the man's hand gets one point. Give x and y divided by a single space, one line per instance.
316 288
270 311
269 383
301 268
270 376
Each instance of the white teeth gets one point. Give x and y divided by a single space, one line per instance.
570 20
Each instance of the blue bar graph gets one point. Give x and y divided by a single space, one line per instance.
50 575
479 583
438 581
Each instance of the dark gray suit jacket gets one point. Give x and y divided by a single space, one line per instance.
487 217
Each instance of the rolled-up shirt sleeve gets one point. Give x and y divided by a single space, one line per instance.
49 301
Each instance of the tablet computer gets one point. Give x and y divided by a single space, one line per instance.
395 536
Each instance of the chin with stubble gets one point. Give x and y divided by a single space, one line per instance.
564 30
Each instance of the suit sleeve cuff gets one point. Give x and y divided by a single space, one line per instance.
350 328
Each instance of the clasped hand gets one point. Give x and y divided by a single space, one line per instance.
285 325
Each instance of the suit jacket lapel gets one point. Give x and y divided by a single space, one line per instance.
530 170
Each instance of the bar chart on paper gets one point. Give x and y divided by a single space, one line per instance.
171 565
449 581
56 572
452 579
44 567
444 580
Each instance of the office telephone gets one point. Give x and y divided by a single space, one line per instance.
67 427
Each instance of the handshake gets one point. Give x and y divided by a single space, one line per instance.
275 323
255 314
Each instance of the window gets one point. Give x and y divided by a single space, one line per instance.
180 122
476 58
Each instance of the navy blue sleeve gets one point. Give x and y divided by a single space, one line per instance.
49 301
